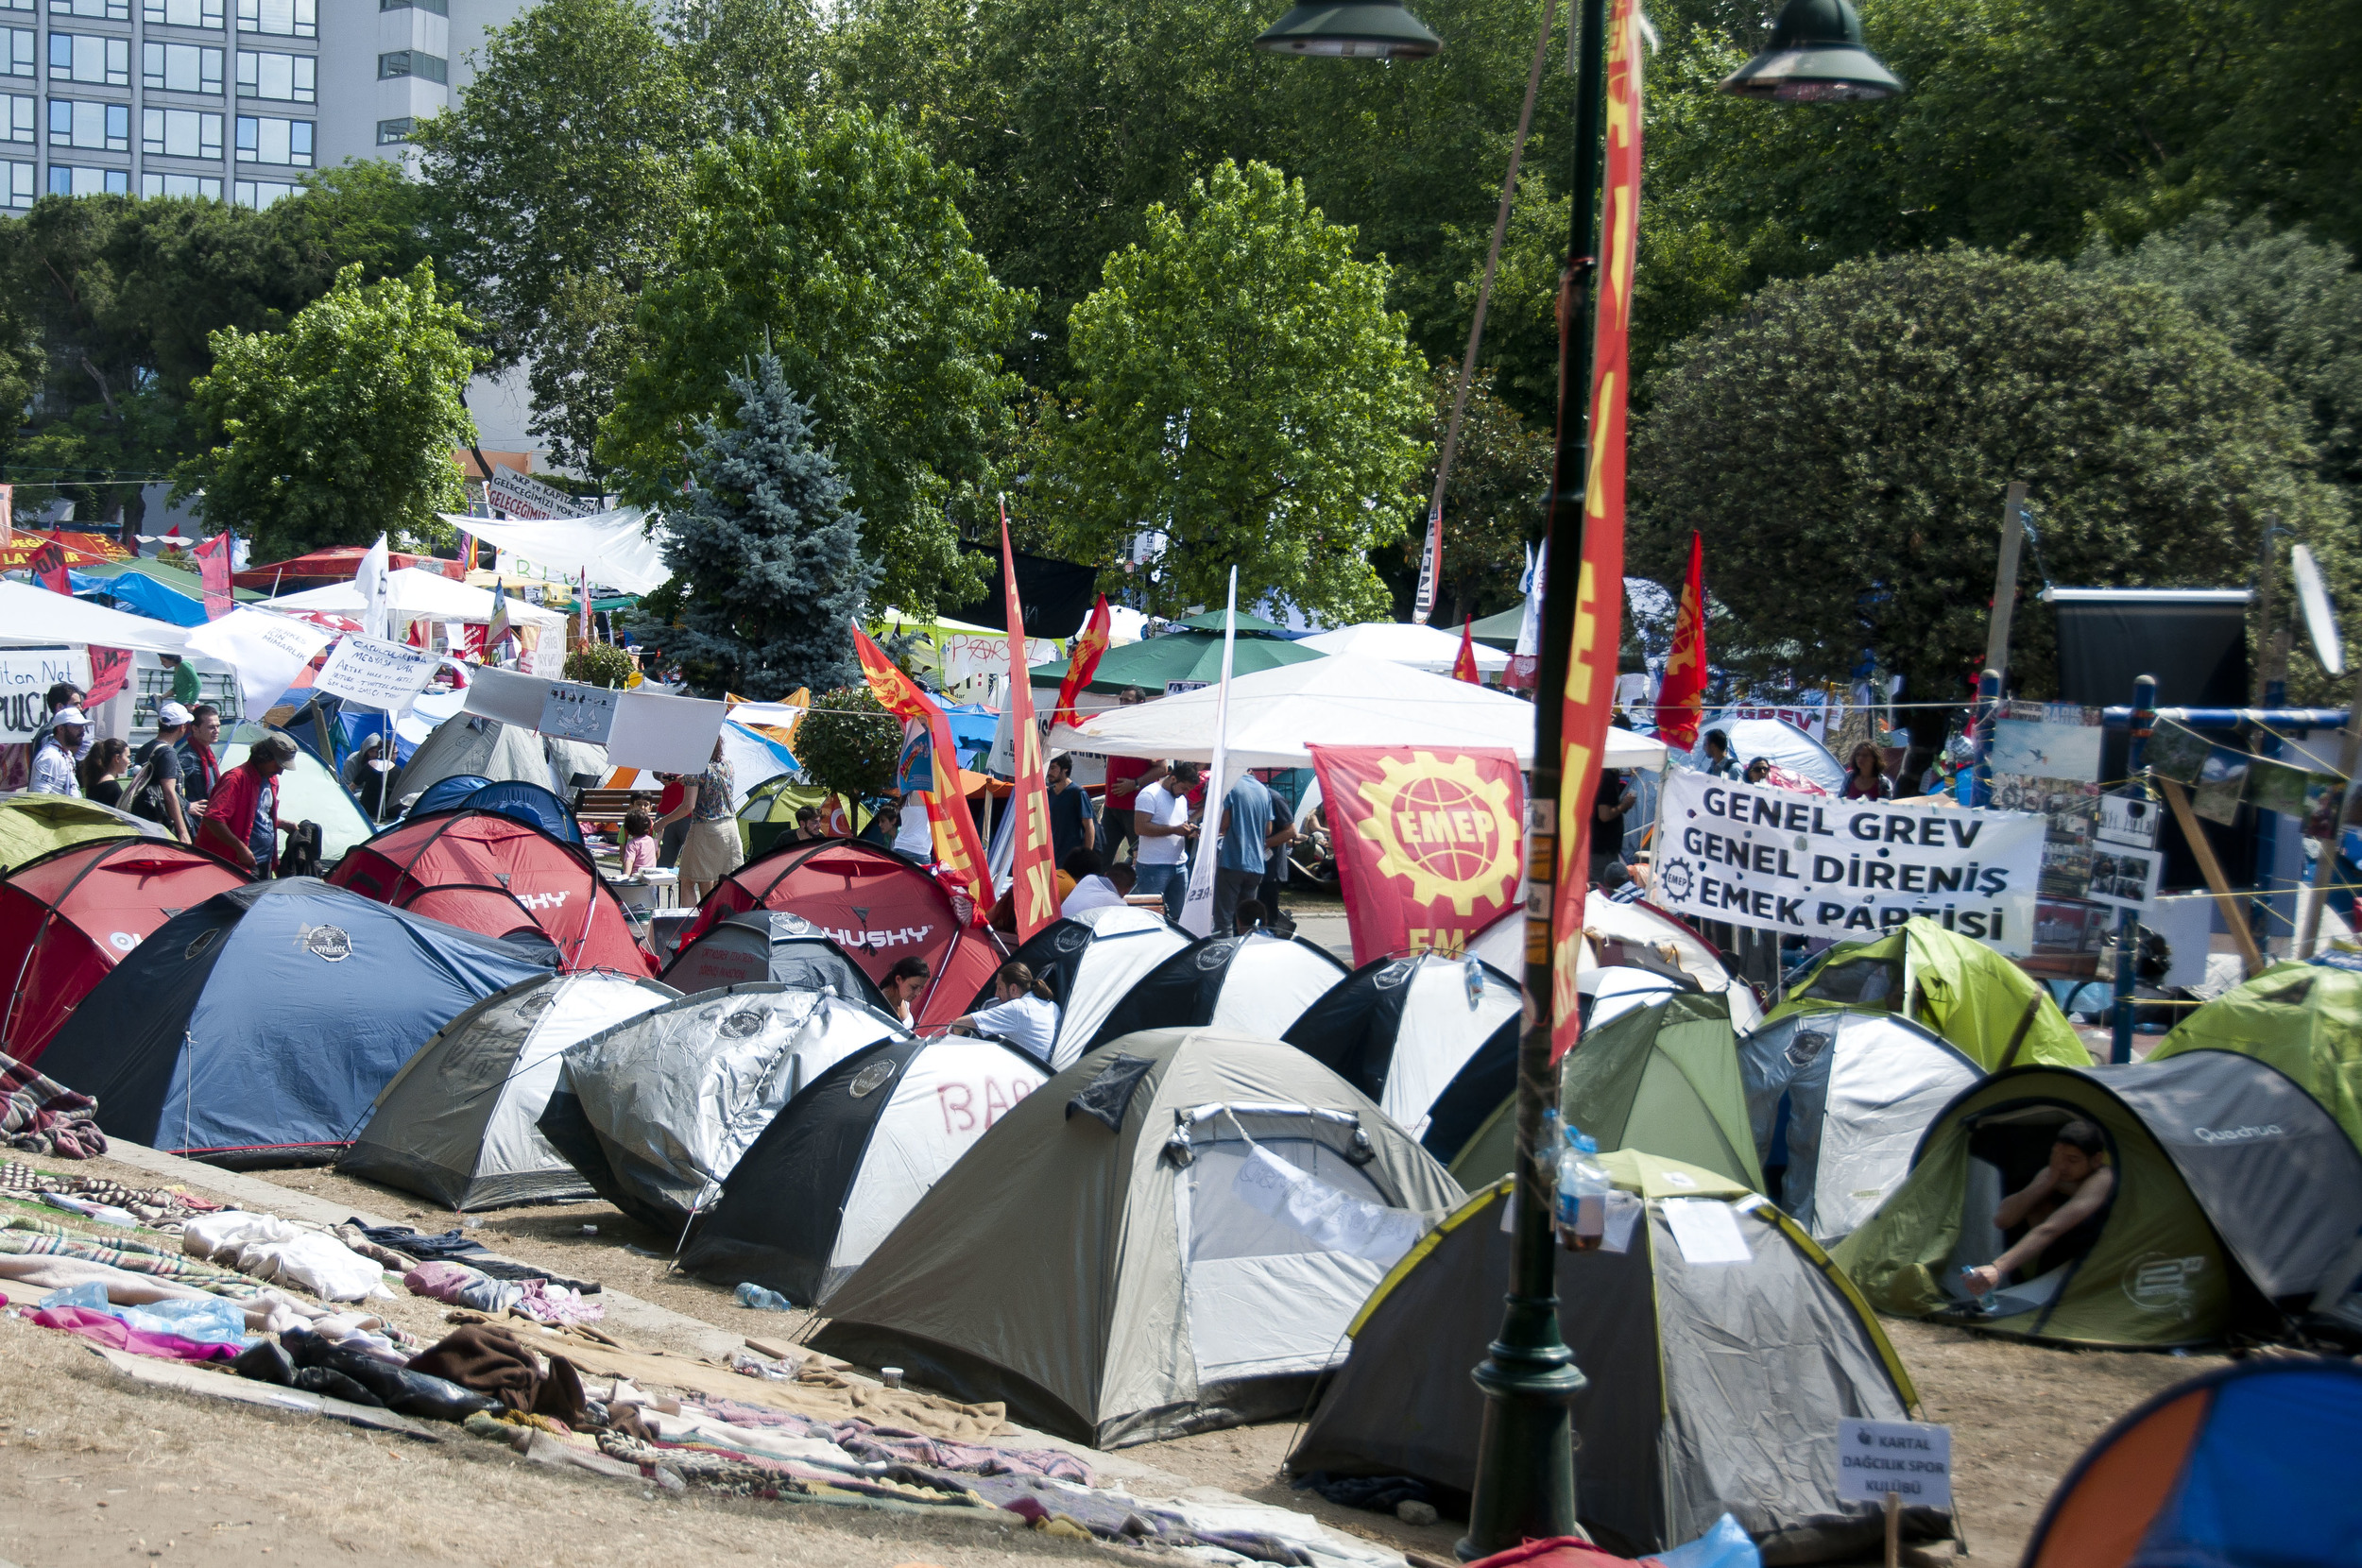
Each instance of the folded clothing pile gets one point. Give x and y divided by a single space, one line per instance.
268 1248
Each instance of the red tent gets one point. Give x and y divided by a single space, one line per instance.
493 874
70 916
337 564
876 906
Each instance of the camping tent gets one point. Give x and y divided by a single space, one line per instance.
488 871
448 793
2235 1193
1664 1079
2251 1463
2303 1018
526 802
1713 1386
1780 743
309 791
876 906
1433 1041
771 944
1614 933
768 812
457 1124
1840 1100
655 1111
70 916
849 1156
1429 648
1184 657
1255 984
256 1027
1090 962
493 751
1997 1013
337 563
1138 1251
34 825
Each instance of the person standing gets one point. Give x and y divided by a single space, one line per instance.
668 809
59 757
201 770
1161 818
155 791
186 687
914 841
63 695
1720 763
713 848
241 823
1073 824
1240 856
103 769
1610 804
1866 775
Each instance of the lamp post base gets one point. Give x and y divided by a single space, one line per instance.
1525 1467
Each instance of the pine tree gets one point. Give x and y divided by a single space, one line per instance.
768 560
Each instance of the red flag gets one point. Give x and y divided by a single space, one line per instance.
1590 695
1426 843
213 569
1464 667
959 850
109 673
47 566
1681 698
1035 870
1083 662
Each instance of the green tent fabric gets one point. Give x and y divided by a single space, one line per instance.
1180 656
34 825
2303 1018
1993 1011
1501 631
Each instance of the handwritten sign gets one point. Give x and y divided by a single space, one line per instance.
1909 1458
577 713
370 672
26 678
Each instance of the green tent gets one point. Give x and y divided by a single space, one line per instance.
1192 656
1993 1011
34 825
2303 1018
1501 631
1663 1077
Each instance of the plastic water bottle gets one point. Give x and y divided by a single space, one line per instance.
763 1301
1584 1185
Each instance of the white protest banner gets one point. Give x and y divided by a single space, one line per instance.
268 650
664 734
26 678
373 673
1814 865
576 713
1909 1458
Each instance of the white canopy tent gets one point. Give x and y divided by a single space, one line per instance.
423 595
1344 699
1426 647
617 549
34 617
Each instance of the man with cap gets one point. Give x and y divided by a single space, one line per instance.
242 823
158 790
60 751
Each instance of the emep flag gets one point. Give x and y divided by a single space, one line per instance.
1428 843
1814 865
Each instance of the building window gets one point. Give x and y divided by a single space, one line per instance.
259 194
81 183
20 118
183 13
440 8
181 185
16 5
412 62
19 184
86 57
96 11
391 132
181 133
288 78
94 127
20 58
268 141
280 18
182 68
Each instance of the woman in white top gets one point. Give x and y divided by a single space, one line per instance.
1022 1012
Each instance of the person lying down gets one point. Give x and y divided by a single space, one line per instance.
2061 1209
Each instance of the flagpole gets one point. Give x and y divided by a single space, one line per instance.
1197 908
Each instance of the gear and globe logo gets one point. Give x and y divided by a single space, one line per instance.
1446 827
1677 879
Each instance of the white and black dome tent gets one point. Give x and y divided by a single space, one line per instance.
1258 985
1433 1040
1090 962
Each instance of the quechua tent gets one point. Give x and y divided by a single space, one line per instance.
69 917
1433 1040
1995 1012
1090 962
255 1029
771 944
1167 1237
457 1125
487 749
2303 1018
849 1156
1257 985
32 825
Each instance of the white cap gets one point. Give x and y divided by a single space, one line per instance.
172 715
70 716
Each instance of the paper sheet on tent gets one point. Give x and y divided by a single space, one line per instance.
268 650
1707 1231
1338 1220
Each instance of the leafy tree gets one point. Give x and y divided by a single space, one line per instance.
848 744
769 558
1244 391
599 664
838 246
1844 442
340 428
1491 504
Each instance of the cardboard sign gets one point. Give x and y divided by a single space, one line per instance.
1909 1458
372 672
25 676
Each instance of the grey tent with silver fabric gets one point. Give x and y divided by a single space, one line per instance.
457 1124
486 748
655 1111
1860 1091
771 944
1167 1236
1090 962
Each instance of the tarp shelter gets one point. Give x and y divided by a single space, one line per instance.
874 904
1713 1386
1090 962
151 589
488 871
1501 631
309 791
655 1113
1099 1262
622 548
1192 656
1429 648
34 825
72 915
2234 1192
255 1029
771 944
1339 701
1664 1079
1995 1012
35 618
1433 1041
1642 934
851 1155
2251 1463
2303 1018
457 1124
1837 1101
1256 984
493 751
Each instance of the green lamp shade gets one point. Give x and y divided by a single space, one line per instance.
1366 30
1816 56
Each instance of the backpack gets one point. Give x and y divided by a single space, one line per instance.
144 796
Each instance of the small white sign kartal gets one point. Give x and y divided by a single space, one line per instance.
1909 1458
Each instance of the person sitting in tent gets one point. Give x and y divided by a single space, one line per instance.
1093 888
904 984
242 823
1022 1012
884 824
2062 1207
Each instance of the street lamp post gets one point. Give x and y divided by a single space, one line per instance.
1525 1471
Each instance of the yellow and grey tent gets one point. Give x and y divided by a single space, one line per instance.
2303 1018
34 825
1995 1012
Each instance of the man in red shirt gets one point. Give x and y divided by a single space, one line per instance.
1126 777
668 847
242 823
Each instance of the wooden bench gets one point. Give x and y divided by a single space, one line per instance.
603 807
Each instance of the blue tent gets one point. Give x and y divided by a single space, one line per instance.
256 1027
446 794
515 797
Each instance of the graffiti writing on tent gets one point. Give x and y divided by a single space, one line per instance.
966 1108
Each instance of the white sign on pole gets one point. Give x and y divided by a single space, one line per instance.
1909 1458
512 494
25 676
576 713
1197 905
373 673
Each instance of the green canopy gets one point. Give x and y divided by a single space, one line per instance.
1502 630
1249 626
34 825
1991 1009
1180 656
2303 1018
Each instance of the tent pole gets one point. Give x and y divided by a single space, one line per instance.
2129 921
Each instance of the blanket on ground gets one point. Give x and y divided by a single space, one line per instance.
42 1116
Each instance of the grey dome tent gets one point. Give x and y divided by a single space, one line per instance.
1846 1097
770 944
1090 962
1167 1236
1256 985
494 752
848 1157
1433 1040
655 1111
457 1124
1713 1386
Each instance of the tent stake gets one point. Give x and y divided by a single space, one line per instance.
1895 1529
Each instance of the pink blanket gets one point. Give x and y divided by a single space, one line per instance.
117 1335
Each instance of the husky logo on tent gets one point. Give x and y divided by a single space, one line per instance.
328 941
123 941
2155 1283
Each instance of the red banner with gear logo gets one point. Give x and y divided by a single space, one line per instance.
1428 843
